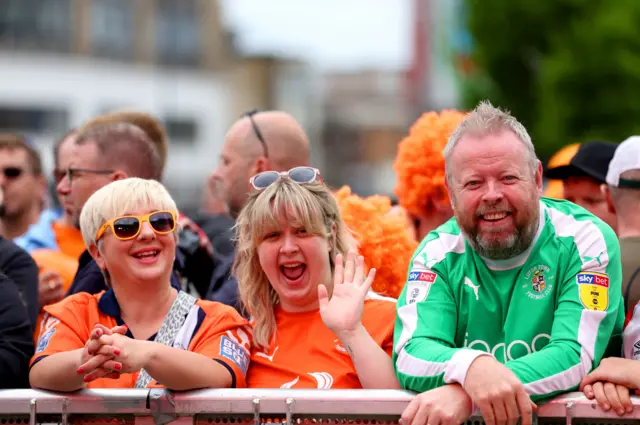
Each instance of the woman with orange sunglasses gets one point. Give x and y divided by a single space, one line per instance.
141 332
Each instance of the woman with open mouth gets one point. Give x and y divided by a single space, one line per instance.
141 332
315 322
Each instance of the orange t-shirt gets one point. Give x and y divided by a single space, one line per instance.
50 260
69 239
306 354
211 329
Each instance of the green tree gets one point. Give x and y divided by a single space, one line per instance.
568 69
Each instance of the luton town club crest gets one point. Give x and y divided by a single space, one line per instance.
538 282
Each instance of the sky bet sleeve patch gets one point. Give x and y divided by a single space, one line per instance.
594 290
418 285
234 352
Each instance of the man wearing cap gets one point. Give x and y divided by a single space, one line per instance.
583 176
622 193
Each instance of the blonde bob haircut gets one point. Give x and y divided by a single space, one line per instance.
119 198
309 206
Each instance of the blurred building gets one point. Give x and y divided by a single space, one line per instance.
65 61
441 50
367 113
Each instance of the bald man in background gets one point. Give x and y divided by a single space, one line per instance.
257 142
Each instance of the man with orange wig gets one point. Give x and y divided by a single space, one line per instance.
419 168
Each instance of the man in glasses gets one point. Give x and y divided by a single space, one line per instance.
96 157
257 142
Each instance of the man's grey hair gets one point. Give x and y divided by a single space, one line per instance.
487 119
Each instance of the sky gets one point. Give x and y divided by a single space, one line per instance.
332 34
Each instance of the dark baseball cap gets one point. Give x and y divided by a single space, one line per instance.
592 159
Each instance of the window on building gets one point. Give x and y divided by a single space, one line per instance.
181 130
33 120
112 31
178 32
36 24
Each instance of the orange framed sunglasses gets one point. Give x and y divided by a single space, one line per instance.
127 227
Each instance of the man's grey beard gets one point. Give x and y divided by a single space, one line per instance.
515 245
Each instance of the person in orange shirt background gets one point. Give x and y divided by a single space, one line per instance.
561 158
141 332
315 322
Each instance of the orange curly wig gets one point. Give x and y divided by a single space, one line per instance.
384 238
419 164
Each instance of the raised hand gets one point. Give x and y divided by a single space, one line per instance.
343 311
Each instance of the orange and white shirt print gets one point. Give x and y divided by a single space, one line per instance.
306 354
211 329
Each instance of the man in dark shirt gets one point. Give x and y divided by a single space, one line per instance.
22 271
16 337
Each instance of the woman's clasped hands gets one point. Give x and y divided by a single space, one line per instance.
109 352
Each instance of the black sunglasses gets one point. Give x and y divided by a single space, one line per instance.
256 129
12 172
300 175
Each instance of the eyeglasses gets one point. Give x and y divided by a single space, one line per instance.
74 172
128 226
256 129
300 175
11 173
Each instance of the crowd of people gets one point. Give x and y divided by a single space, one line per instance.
476 292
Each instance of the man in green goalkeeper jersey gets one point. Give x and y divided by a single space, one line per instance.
513 300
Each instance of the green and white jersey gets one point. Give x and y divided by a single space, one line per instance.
547 314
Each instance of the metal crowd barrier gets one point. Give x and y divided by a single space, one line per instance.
254 407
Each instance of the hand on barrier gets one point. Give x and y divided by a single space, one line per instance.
610 384
497 392
447 405
123 354
98 359
342 313
610 396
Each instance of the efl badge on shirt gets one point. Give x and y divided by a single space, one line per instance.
234 352
594 290
418 285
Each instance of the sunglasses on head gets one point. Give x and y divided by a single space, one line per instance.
12 172
256 130
300 175
128 226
